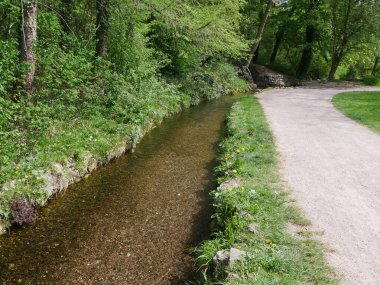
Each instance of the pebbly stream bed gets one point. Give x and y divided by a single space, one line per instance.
134 220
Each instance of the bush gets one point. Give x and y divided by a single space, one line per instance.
371 80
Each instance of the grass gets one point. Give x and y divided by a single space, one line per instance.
363 107
251 194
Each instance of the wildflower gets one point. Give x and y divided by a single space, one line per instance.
229 189
268 241
243 149
234 171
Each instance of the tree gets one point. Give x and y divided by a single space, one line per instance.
283 19
260 31
312 16
28 38
102 20
352 24
376 63
66 11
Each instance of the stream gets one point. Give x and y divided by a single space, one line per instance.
133 221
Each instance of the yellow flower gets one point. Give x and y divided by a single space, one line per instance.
238 151
268 241
230 189
243 149
234 171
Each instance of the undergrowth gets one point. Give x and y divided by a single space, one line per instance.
90 118
252 212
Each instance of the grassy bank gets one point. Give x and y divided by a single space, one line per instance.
46 146
253 213
361 106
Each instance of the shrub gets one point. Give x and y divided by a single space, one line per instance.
371 80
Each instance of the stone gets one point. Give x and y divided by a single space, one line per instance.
3 229
116 152
89 163
221 257
265 77
232 183
235 255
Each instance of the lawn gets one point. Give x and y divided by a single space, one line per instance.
361 106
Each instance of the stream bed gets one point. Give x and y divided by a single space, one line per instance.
132 221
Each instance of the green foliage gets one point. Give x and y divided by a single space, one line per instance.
344 35
250 193
82 105
188 34
211 81
371 80
8 66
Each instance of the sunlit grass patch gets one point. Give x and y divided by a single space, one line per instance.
361 106
253 216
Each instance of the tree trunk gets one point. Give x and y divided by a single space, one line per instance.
260 31
374 68
277 44
256 55
102 16
65 15
28 39
334 66
307 53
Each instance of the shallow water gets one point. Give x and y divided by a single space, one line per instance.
132 221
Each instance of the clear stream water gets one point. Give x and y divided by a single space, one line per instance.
132 221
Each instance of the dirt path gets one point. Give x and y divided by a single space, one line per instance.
332 165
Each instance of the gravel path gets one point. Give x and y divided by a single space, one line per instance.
332 165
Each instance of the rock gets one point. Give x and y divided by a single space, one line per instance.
92 165
253 86
235 255
89 163
265 77
72 175
48 180
3 229
253 228
235 182
116 152
221 257
57 168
